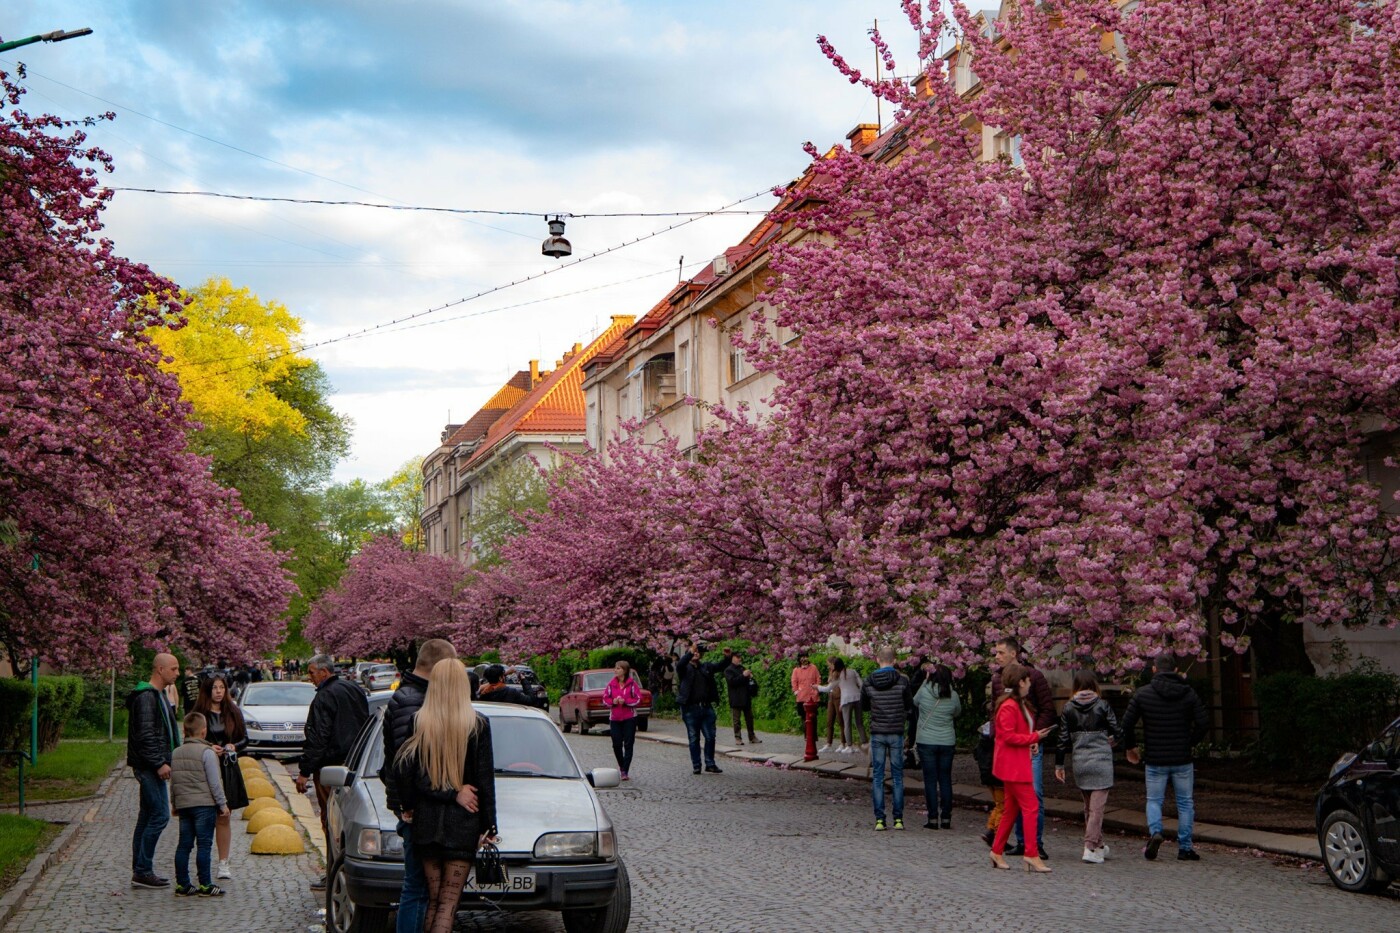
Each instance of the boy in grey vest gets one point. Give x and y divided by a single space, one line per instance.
197 798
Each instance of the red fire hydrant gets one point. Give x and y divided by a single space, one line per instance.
810 719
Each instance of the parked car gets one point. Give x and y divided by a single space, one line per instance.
527 680
583 705
556 840
275 714
1358 816
380 677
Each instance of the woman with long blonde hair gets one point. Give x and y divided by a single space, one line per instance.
449 753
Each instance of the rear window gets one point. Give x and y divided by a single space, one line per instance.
278 694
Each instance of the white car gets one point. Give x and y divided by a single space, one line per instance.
275 714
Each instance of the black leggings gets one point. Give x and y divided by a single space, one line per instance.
624 736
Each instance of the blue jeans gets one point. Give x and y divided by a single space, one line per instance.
937 764
413 896
196 826
700 723
1183 781
891 746
1037 779
150 820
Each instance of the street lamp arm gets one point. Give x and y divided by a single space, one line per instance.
58 35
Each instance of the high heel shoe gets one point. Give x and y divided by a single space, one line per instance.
999 862
1035 865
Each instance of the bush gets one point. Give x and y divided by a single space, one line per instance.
90 719
556 673
1306 722
16 706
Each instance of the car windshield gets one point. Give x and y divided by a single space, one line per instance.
521 746
278 695
597 681
383 669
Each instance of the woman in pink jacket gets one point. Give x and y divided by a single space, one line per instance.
1016 738
622 696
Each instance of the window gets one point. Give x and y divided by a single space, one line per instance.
738 364
1008 146
683 369
659 382
623 412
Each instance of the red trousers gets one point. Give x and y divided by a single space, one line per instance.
1020 796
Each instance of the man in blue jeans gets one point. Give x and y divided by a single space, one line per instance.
698 693
151 739
1173 721
886 696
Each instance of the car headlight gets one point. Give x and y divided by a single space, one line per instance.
378 844
1341 764
567 845
251 724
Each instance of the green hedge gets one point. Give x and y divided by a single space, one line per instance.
59 698
16 706
641 659
1306 722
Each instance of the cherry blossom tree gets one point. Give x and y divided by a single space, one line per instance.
389 599
115 531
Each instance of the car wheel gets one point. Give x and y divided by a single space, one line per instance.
345 916
610 919
564 724
1347 854
583 724
643 722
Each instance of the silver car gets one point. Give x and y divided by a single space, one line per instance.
556 840
381 677
275 714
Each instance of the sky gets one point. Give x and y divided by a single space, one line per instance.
545 106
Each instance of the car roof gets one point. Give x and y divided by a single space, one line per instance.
491 710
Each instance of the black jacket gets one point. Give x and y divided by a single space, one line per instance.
888 699
1173 720
742 689
151 734
697 681
503 693
398 728
437 818
1079 716
337 713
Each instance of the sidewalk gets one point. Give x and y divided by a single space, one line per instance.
1061 801
88 888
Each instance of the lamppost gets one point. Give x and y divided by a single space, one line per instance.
58 35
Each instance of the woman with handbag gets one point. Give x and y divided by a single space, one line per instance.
445 777
229 736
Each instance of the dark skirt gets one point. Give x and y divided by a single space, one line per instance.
446 853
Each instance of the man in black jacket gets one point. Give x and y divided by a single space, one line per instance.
496 690
337 713
742 689
886 696
151 739
698 693
1173 721
398 729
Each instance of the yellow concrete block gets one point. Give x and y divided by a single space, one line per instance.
270 816
259 805
257 787
278 840
250 764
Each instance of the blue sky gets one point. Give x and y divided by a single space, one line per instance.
542 106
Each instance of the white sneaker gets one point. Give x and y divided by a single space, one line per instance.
844 750
1092 856
223 871
824 748
1103 851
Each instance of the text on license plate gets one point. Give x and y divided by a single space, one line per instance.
287 737
517 882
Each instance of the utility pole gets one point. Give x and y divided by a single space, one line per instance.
58 35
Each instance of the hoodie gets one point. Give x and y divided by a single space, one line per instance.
151 733
1173 720
888 699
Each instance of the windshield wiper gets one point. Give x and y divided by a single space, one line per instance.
523 772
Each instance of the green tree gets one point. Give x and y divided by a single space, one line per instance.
513 492
404 493
352 514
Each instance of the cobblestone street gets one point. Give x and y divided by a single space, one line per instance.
759 849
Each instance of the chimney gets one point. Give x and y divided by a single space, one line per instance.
863 135
534 373
923 85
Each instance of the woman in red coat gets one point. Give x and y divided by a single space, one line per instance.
1016 739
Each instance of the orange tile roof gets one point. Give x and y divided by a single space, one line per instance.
555 405
505 398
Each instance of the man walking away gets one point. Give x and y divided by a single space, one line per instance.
1042 701
888 699
337 712
398 729
742 689
1173 721
698 693
151 738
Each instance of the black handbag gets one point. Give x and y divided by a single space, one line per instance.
235 791
488 867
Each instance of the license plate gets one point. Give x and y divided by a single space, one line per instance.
287 737
517 882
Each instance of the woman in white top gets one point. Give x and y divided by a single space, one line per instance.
847 683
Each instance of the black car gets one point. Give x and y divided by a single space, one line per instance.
526 679
1358 816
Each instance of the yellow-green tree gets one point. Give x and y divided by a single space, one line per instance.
404 491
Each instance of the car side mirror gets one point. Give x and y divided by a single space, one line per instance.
603 777
337 776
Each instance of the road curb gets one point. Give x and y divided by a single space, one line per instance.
1305 847
14 898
